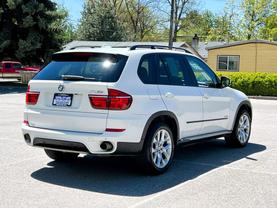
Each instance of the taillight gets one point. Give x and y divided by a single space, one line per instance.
31 97
115 100
119 100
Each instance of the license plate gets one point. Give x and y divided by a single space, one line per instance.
64 100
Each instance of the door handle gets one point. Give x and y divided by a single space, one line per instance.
206 96
169 95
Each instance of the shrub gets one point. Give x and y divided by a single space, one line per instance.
264 84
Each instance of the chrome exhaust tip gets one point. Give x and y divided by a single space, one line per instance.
106 146
27 138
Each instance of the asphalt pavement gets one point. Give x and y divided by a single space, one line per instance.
207 174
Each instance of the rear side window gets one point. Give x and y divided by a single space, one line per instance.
97 67
172 70
17 66
146 69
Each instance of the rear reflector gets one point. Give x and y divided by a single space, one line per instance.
26 122
31 97
115 100
114 130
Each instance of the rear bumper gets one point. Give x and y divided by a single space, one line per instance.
81 142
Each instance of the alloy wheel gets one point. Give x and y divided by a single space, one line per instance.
161 148
243 129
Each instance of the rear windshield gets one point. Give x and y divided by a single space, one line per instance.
97 67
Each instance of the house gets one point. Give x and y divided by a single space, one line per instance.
202 48
244 56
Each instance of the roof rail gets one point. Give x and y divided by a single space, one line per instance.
134 47
83 46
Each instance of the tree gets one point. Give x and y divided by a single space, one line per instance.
269 31
221 30
225 25
117 6
179 9
99 22
208 26
63 28
172 22
27 30
232 20
140 19
255 13
198 23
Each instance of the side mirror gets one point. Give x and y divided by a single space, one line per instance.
225 81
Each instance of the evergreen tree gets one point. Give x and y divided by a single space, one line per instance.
28 30
99 23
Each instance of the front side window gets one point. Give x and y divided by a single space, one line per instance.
172 70
228 63
205 77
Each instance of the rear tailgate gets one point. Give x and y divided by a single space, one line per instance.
79 116
64 104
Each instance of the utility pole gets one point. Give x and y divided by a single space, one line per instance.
172 23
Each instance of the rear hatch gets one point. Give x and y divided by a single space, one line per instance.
64 87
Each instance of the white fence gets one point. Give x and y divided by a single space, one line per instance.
26 76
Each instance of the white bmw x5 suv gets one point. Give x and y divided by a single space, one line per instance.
141 100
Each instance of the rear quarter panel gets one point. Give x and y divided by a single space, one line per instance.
146 100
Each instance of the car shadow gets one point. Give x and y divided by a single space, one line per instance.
123 176
12 87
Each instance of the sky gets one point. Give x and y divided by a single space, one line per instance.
75 7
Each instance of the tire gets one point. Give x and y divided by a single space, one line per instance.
60 156
241 132
159 149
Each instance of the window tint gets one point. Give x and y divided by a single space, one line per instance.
163 76
172 70
96 66
146 69
228 63
17 66
204 75
8 66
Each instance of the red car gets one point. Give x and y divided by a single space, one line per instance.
11 69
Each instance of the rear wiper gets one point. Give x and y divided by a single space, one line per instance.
76 77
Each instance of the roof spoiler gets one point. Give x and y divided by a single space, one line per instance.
83 46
